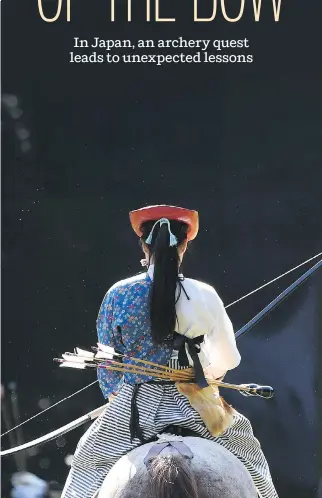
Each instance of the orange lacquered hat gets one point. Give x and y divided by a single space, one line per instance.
154 213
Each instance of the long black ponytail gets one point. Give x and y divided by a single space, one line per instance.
165 279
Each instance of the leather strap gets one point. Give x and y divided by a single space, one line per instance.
179 344
172 446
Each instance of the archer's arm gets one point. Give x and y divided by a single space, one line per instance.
219 345
109 380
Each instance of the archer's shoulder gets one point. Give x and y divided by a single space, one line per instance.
135 283
207 290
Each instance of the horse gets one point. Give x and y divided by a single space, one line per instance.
178 467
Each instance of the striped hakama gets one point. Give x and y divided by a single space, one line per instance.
159 406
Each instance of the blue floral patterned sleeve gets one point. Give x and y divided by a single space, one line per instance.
109 380
124 323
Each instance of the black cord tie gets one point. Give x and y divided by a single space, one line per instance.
135 429
179 344
182 288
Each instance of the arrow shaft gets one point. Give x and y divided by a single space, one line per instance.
95 413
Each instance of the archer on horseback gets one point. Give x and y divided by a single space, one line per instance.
162 317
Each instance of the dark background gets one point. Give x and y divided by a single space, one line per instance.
83 144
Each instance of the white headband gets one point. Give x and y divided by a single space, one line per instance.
162 221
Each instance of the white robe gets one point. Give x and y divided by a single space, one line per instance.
204 314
